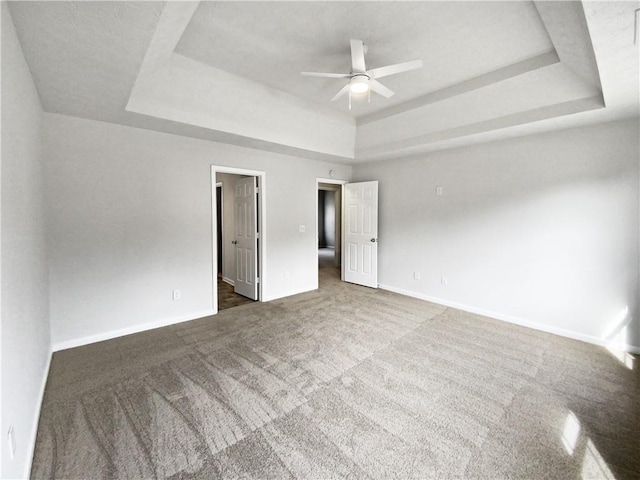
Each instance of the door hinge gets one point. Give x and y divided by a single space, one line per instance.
257 280
258 235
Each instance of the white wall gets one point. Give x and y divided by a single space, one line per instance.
129 215
541 230
26 347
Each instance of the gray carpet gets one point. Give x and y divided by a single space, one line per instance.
326 257
343 382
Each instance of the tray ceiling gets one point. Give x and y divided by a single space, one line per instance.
230 71
273 43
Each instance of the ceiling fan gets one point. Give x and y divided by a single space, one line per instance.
362 80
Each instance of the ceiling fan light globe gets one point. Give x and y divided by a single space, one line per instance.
359 84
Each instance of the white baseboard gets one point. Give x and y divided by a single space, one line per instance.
507 318
229 281
78 342
36 419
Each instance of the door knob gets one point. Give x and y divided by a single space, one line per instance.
234 241
373 240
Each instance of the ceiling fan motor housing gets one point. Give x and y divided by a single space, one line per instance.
359 83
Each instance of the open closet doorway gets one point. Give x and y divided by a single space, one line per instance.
329 208
237 242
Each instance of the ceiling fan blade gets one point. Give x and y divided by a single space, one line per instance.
393 69
377 87
357 56
325 75
344 90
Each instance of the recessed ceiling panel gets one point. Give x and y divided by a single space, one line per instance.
224 67
272 42
545 87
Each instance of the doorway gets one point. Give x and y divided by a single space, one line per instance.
329 228
354 257
237 219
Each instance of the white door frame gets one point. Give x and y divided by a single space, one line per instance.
342 183
221 221
262 239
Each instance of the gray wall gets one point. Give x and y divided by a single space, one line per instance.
322 238
540 230
130 216
326 218
26 346
330 218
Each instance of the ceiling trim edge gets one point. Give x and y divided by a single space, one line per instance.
475 83
506 121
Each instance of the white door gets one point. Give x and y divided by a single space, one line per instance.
246 241
361 233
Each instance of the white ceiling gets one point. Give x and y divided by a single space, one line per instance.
85 56
273 43
230 71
